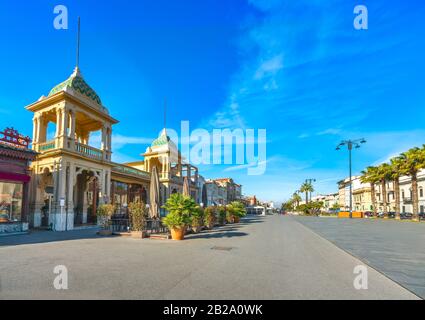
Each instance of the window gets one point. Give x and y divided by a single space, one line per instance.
421 192
10 201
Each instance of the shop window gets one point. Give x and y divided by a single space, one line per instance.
10 201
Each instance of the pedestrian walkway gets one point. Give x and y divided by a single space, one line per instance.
394 248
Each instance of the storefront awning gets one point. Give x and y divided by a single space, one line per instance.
16 177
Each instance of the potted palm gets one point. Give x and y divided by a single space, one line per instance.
238 210
221 215
230 217
197 220
104 213
180 209
137 215
210 217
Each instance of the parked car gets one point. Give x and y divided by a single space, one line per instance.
368 214
4 217
406 215
391 214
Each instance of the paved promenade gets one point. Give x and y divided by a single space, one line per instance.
271 257
394 248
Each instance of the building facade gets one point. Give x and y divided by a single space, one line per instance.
15 178
361 195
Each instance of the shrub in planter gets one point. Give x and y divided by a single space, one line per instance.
197 220
104 213
229 214
180 210
137 213
221 215
237 209
210 217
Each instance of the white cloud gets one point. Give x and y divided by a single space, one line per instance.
269 67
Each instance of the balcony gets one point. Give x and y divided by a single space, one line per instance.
88 151
119 168
46 146
80 148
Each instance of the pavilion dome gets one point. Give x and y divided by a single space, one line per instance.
162 140
77 84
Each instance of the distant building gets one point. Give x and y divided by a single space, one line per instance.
222 191
361 195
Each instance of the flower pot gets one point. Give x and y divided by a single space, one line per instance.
177 233
236 219
138 234
104 232
210 225
196 229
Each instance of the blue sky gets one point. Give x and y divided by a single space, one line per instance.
296 68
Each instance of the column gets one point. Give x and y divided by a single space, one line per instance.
104 143
58 122
103 140
42 129
34 131
108 186
59 215
64 126
70 196
72 128
110 139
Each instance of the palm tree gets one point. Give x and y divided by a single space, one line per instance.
306 187
413 160
384 174
396 164
296 198
370 176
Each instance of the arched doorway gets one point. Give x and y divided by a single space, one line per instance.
86 198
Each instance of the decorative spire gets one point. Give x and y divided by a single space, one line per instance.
165 113
77 67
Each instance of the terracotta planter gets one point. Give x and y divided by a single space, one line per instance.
177 233
196 229
104 233
210 226
138 234
236 219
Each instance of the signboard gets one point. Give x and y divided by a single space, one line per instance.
62 202
48 190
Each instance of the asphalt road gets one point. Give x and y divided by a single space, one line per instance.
394 248
272 257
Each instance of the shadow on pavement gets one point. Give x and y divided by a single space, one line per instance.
212 235
41 236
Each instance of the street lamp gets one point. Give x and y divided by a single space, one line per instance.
350 144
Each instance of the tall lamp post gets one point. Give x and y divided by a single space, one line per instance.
350 145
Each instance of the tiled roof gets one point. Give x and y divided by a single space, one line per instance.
77 83
10 150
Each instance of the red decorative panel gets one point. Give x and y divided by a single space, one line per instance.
12 136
